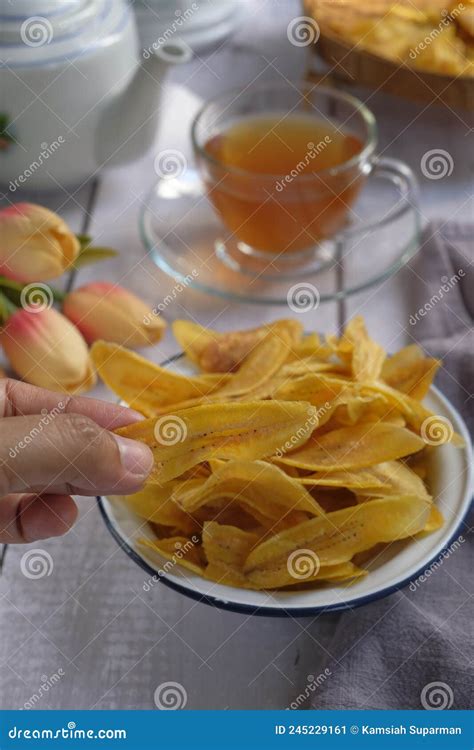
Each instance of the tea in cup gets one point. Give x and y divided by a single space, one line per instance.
283 163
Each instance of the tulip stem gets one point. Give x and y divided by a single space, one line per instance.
12 290
7 308
7 283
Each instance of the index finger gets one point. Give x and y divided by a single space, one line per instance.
22 399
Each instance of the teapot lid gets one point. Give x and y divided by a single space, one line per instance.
49 31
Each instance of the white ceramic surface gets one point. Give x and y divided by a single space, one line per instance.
76 92
198 24
451 483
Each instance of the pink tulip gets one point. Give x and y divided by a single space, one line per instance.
107 311
45 349
35 243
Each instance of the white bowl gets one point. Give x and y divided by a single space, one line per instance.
400 564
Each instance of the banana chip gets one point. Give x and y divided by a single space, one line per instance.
367 356
224 352
264 361
351 480
284 577
434 522
337 537
226 549
354 447
310 346
258 486
143 385
155 503
396 479
178 550
410 371
248 430
290 461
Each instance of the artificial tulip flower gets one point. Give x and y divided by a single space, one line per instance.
107 311
35 243
45 349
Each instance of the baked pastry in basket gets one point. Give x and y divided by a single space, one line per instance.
428 35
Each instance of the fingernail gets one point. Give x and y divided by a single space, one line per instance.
135 457
135 416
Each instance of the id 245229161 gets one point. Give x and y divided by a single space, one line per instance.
311 729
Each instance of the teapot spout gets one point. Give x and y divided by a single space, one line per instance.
129 124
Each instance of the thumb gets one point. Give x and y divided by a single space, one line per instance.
69 454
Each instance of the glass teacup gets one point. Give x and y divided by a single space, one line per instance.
283 163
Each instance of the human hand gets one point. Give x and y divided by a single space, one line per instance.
52 446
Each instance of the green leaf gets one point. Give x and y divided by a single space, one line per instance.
94 255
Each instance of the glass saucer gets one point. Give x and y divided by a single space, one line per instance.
185 238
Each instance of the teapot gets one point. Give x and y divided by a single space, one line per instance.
76 92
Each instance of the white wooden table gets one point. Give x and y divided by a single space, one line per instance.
90 622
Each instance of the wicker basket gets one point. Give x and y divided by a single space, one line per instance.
351 63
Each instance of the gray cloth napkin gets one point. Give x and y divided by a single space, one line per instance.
413 649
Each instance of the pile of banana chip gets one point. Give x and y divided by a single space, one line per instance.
288 460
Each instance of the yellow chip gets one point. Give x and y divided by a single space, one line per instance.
410 371
397 479
155 503
355 447
260 365
226 549
336 537
316 388
434 522
357 481
178 550
256 485
143 385
285 577
367 356
213 351
244 430
310 346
